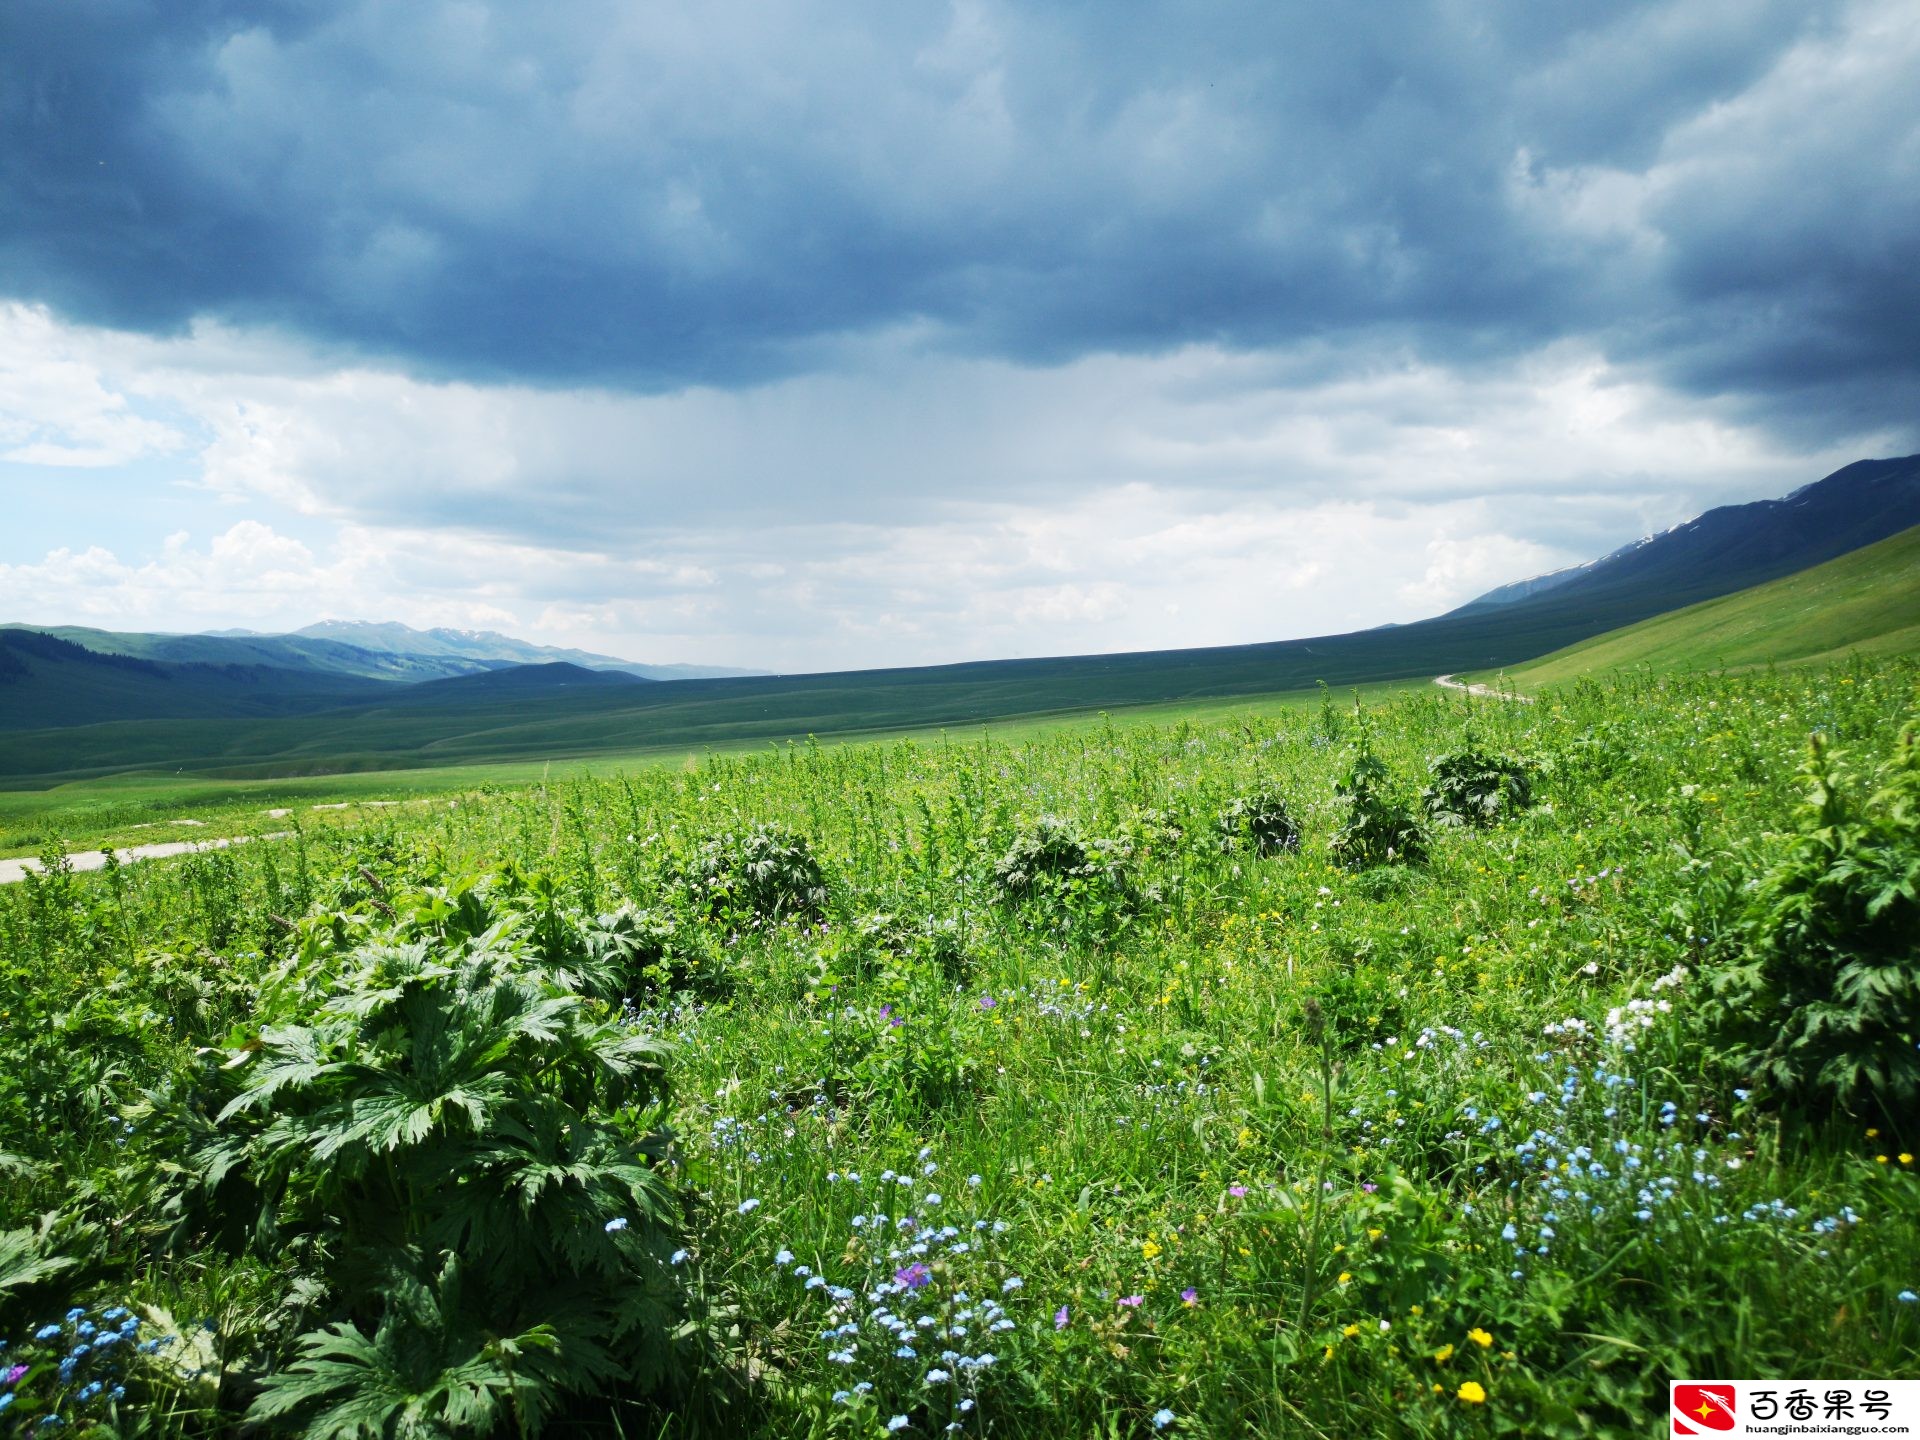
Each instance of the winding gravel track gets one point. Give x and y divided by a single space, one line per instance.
1483 690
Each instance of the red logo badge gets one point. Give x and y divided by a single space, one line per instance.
1700 1409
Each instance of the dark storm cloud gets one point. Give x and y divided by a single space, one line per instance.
652 196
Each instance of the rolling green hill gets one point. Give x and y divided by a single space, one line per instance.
1868 601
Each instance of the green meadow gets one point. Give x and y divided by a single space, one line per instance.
142 807
1430 1065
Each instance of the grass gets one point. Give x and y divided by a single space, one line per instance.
127 808
1260 1145
1866 602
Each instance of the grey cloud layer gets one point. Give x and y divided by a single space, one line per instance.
646 197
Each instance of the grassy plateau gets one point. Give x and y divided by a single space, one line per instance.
1430 1066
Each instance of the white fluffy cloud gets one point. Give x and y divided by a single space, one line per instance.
903 509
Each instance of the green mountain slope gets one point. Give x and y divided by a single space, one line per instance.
47 681
1737 546
280 652
1867 601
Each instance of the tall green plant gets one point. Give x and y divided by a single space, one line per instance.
1379 828
1823 1008
472 1151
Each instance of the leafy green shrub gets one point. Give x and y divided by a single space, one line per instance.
1380 829
468 1152
1050 864
1473 788
1258 821
767 873
1823 1008
644 951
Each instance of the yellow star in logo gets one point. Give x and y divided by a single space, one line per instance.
1705 1410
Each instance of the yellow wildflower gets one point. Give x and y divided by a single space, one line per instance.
1351 1331
1443 1354
1149 1249
1472 1393
1480 1337
1345 1276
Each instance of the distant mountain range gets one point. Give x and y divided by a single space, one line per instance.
368 650
1736 546
471 697
488 649
60 675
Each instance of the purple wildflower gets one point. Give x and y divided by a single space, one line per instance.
1189 1296
914 1276
1060 1318
1237 1191
1133 1302
987 1002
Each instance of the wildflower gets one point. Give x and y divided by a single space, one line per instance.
1907 1297
1060 1318
1351 1331
1132 1302
747 1206
785 1257
1345 1276
1480 1337
914 1276
1237 1191
1906 1158
1189 1297
938 1377
898 1422
1011 1283
678 1257
1149 1249
614 1227
987 1002
1162 1418
1472 1393
1443 1354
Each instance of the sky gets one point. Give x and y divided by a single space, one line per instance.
804 336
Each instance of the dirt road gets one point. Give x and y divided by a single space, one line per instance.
13 871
